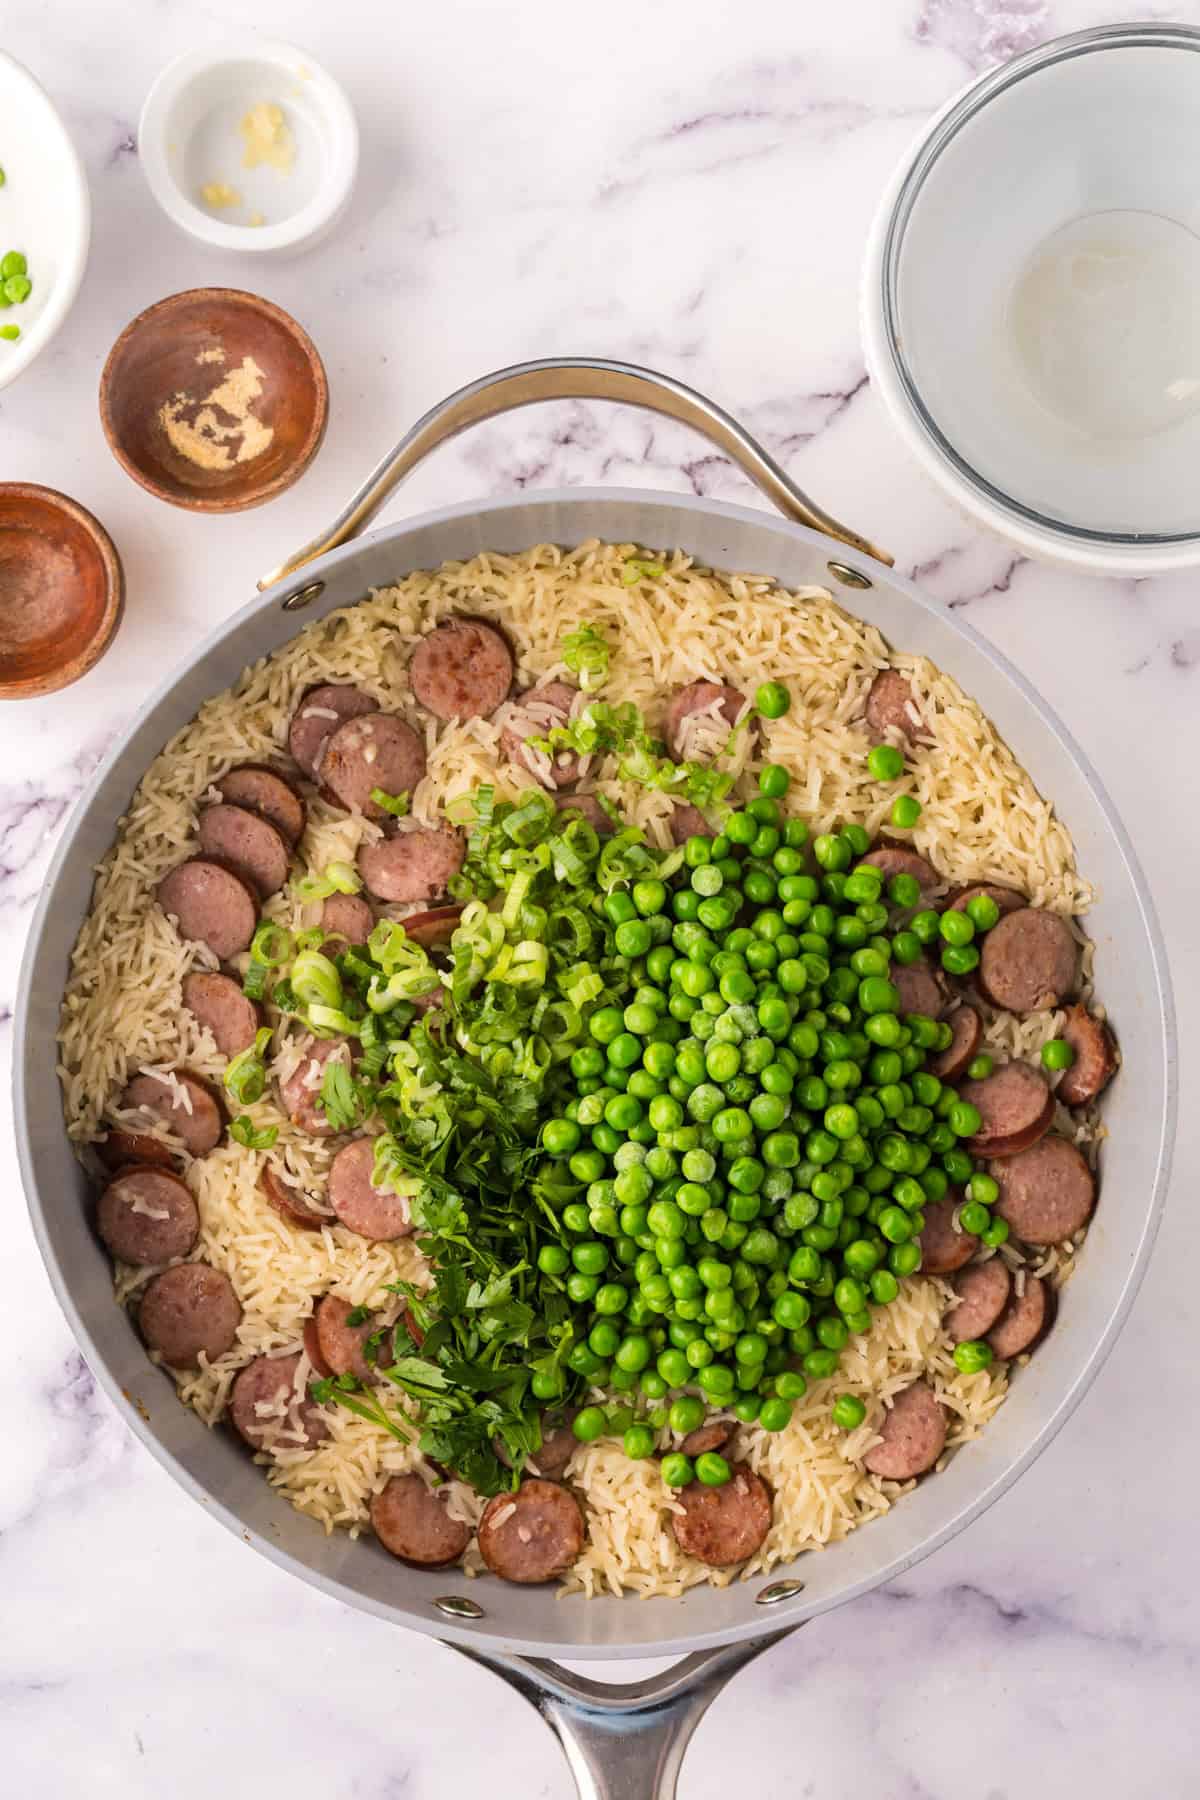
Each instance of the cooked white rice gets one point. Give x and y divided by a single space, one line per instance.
982 820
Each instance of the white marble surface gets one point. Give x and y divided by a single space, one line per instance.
686 183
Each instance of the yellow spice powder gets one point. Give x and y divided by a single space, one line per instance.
207 440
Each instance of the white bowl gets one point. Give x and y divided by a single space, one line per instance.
44 212
1031 300
190 137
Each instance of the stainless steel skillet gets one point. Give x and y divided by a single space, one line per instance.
622 1741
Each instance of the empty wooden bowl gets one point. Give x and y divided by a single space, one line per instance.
61 590
214 399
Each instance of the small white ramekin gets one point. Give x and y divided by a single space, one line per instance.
1083 125
204 86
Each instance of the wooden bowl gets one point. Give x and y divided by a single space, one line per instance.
214 400
62 590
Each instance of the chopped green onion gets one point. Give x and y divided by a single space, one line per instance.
315 980
396 804
271 944
242 1132
638 568
586 654
254 981
246 1076
335 878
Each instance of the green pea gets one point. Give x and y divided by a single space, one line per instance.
638 1442
775 1414
560 1136
821 1364
984 1188
554 1259
956 927
906 810
974 1218
774 781
996 1234
885 762
772 700
831 852
983 912
925 926
884 1287
590 1423
1057 1054
972 1355
957 961
847 1412
964 1119
906 947
877 995
677 1470
980 1067
610 1298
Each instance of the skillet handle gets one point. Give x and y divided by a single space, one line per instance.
625 1740
571 378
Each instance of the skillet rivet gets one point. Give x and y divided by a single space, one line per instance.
852 578
457 1606
304 595
780 1590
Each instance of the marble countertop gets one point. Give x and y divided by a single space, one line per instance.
686 183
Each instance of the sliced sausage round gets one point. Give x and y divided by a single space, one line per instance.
270 1408
943 1249
896 859
723 1525
589 808
536 713
433 930
914 1435
375 751
411 1521
361 1207
531 1535
1006 899
301 1092
188 1311
318 715
1015 1106
312 1349
290 1203
218 1002
246 843
263 790
462 670
699 697
714 1434
1028 961
689 822
919 987
210 905
952 1062
1095 1058
147 1216
123 1147
343 1344
413 865
349 917
983 1290
1023 1320
891 706
187 1106
1046 1193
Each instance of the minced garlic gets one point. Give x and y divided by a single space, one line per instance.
267 138
220 194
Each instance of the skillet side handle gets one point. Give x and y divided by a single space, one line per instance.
625 1740
571 378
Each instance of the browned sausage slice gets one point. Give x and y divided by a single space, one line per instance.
147 1216
558 1445
122 1147
919 988
1024 1319
589 808
714 1434
1028 961
1006 899
943 1249
270 1408
914 1435
963 1047
290 1203
187 1106
433 930
360 1206
376 751
1095 1058
689 822
411 1521
462 670
723 1525
343 1345
891 706
534 714
699 697
347 916
263 790
301 1092
312 1348
413 865
1016 1108
983 1291
896 859
210 905
532 1535
246 843
318 715
1046 1193
188 1311
218 1002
